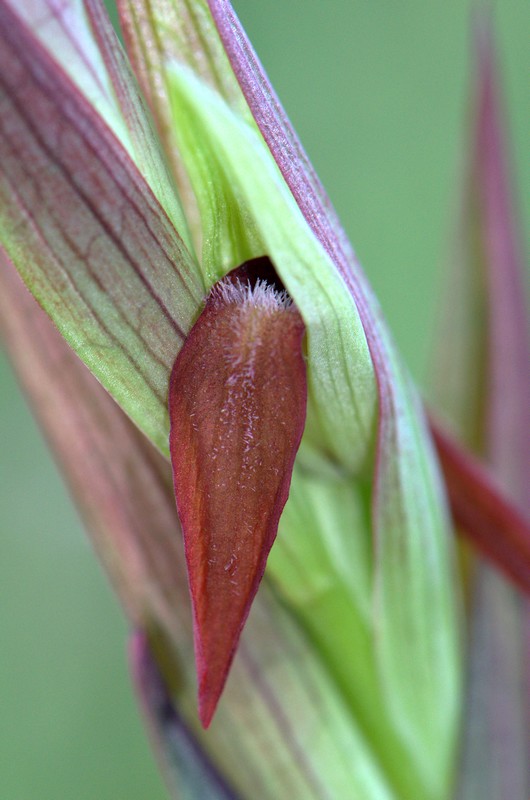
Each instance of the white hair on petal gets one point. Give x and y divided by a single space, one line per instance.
262 295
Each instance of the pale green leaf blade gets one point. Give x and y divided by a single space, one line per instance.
79 36
159 32
87 235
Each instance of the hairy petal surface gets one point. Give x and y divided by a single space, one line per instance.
280 698
237 403
87 234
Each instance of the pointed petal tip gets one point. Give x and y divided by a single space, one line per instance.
212 674
207 703
215 649
237 403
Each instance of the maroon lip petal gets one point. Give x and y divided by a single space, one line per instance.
237 403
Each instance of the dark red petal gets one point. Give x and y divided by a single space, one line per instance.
237 403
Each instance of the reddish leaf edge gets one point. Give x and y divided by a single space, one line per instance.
498 530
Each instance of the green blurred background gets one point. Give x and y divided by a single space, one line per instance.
378 91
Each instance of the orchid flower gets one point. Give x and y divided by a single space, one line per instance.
160 209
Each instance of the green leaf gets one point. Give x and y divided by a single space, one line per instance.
80 37
87 234
158 33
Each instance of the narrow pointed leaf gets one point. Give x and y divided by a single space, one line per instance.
509 354
483 387
280 698
237 403
86 233
497 739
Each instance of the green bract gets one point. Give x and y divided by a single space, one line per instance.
355 637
